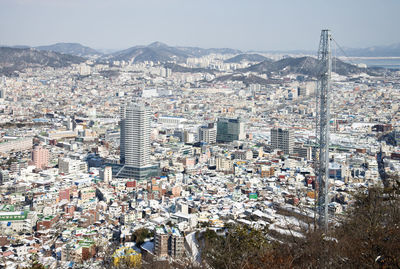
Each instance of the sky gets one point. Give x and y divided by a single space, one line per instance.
241 24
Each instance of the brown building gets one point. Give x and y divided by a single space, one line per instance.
161 244
168 242
46 222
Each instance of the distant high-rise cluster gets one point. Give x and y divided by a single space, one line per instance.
106 149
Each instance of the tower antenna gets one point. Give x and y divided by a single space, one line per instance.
322 125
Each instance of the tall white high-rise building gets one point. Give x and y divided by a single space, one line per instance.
3 88
135 141
122 133
137 135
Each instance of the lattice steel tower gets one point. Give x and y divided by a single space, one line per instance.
322 125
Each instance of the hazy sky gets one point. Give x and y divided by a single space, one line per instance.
241 24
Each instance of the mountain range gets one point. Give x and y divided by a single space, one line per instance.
377 51
70 48
17 59
303 65
160 52
64 54
165 52
248 57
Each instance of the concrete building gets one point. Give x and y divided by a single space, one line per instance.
136 140
135 143
122 113
54 134
70 166
173 122
15 144
161 244
208 134
397 136
243 155
229 130
176 246
16 167
127 255
40 157
303 152
17 221
223 164
168 241
4 176
188 137
84 70
301 91
106 174
282 139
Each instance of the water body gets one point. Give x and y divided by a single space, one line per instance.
385 62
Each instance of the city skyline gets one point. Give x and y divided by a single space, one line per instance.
261 26
181 150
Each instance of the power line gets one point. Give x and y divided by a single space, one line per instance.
344 53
